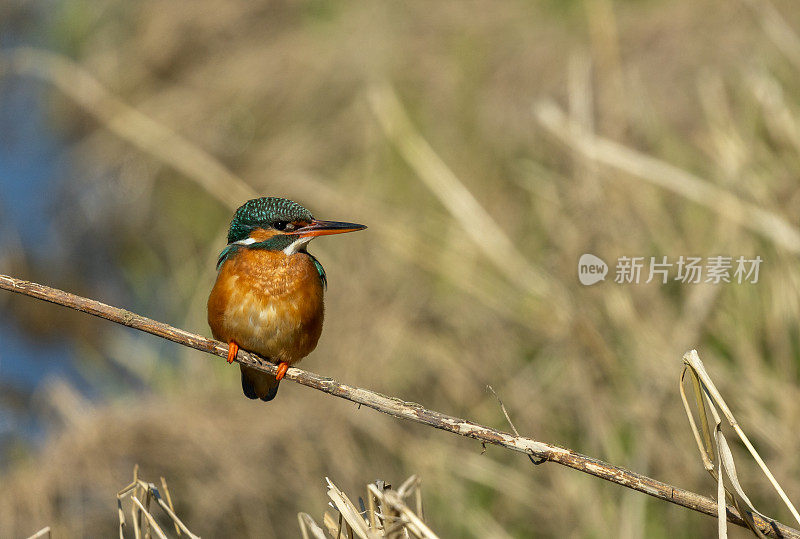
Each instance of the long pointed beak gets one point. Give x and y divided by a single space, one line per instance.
325 228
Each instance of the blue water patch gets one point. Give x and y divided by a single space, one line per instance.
29 171
25 363
31 163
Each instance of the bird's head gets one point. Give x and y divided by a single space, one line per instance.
281 225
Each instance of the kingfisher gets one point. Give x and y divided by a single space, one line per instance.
268 296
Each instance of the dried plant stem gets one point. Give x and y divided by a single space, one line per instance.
139 488
44 532
401 409
769 224
700 377
476 222
309 528
149 517
171 508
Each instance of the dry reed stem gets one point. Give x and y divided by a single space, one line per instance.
706 392
411 520
764 222
398 408
777 29
138 488
169 502
355 523
179 525
475 221
150 520
510 423
387 514
308 526
44 532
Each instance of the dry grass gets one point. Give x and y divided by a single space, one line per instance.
423 306
386 514
141 494
716 455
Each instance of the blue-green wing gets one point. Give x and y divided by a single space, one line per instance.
321 271
226 253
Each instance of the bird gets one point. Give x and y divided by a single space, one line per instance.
268 295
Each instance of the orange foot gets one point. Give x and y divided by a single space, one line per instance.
282 367
233 349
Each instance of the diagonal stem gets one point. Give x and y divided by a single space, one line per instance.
401 409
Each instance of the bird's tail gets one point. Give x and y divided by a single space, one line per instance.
258 385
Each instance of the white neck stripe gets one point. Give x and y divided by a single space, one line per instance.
297 245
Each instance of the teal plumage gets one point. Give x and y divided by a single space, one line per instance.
321 270
255 213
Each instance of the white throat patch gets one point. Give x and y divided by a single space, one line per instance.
297 245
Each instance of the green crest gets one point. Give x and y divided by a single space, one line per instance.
262 213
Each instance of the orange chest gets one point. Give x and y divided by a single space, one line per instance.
268 303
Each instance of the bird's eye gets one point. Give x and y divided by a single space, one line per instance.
283 226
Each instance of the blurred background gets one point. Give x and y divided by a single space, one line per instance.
487 145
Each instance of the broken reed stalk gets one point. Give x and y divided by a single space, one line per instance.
386 515
148 491
405 410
